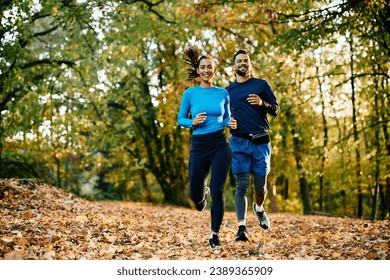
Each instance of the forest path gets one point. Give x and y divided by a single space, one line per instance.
39 221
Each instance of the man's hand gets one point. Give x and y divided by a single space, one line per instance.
254 99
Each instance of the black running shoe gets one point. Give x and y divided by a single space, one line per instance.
241 234
214 242
202 205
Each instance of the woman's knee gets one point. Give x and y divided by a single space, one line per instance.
196 197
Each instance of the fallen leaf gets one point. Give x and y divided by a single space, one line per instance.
14 255
45 222
49 255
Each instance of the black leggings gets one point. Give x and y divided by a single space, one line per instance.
210 151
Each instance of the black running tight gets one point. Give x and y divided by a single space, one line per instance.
210 152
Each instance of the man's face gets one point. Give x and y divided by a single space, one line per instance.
242 65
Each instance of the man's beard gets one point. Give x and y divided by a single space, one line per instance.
244 73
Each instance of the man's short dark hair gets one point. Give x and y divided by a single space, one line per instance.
240 52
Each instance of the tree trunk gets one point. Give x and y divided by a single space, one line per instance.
162 150
298 154
271 190
283 181
145 184
356 135
304 188
384 105
58 170
377 158
324 144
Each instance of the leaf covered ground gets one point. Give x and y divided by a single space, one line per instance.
41 222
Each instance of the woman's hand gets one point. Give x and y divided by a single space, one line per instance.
199 118
232 123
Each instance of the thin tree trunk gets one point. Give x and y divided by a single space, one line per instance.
384 105
144 181
271 189
356 135
324 144
58 171
377 163
283 178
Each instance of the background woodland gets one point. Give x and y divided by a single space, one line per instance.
90 92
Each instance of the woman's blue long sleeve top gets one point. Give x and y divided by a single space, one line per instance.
214 101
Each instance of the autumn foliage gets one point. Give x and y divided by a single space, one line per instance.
42 222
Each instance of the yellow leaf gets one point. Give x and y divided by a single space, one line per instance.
7 239
372 255
336 256
27 215
109 237
81 219
48 255
13 255
54 11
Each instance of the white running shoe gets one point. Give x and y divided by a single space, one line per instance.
262 218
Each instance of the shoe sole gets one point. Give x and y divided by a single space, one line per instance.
215 247
264 227
241 239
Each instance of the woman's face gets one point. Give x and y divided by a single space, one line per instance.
206 70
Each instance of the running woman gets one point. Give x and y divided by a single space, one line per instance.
205 109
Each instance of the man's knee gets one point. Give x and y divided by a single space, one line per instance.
260 184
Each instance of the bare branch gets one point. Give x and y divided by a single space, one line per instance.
359 131
43 33
151 5
118 106
48 61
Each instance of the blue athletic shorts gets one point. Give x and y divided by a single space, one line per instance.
248 157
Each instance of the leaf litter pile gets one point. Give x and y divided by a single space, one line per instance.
42 222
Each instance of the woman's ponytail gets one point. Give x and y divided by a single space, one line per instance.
192 56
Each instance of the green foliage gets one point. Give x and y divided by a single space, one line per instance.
90 93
